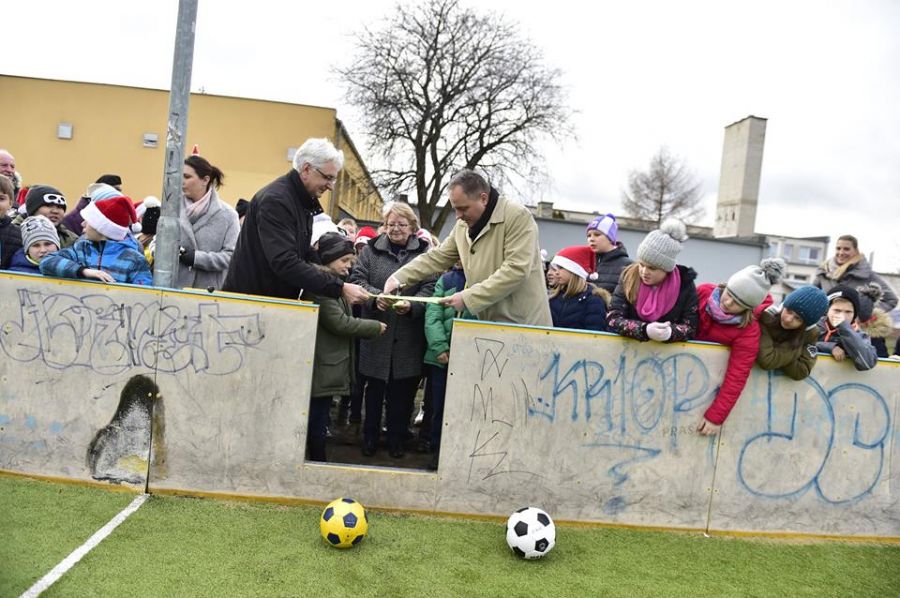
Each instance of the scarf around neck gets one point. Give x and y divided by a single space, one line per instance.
493 197
715 311
195 209
835 272
654 302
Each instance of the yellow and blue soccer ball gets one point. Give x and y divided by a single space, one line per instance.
344 523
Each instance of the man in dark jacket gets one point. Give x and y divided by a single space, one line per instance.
273 253
612 258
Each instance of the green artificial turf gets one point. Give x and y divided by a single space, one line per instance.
41 523
184 546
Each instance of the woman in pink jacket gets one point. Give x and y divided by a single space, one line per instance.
728 315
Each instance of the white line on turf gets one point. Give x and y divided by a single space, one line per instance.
77 554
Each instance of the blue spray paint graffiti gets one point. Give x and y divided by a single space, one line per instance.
840 435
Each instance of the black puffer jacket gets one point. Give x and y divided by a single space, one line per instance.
623 317
610 266
273 256
10 241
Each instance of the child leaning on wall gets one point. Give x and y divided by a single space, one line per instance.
789 332
333 371
839 333
576 303
656 299
39 239
728 315
103 253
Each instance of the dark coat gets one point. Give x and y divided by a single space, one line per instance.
333 371
10 241
399 351
586 311
853 341
610 266
21 263
273 256
73 220
623 318
855 276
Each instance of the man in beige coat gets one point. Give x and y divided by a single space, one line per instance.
497 243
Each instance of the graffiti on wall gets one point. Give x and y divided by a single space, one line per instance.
96 332
629 408
819 441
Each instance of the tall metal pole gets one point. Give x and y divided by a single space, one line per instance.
165 264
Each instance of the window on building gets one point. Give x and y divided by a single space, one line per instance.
773 249
808 254
788 252
801 277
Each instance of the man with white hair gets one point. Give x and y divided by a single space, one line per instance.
273 254
8 169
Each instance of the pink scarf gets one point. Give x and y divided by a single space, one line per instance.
654 302
195 209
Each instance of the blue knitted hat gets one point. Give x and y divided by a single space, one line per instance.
808 302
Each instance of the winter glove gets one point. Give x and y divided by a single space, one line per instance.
186 256
659 331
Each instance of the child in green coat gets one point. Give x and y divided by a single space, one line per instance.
438 325
789 332
333 371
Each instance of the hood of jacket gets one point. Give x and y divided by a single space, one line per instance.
879 326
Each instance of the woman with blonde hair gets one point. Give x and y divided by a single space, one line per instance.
656 298
392 363
574 302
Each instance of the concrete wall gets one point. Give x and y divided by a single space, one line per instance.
84 365
213 391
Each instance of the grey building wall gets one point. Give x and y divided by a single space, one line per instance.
713 259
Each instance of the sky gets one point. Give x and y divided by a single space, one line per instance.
639 75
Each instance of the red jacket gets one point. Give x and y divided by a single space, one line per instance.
744 343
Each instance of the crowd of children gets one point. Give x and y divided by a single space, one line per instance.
594 286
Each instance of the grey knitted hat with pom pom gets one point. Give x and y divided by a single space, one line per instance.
660 247
749 287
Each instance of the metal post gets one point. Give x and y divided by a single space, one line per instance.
165 269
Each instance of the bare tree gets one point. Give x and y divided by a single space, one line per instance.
666 189
442 87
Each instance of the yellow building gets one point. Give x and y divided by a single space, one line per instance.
67 134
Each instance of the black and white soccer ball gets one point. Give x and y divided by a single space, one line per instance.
530 533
